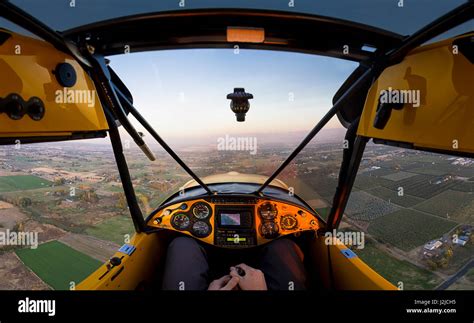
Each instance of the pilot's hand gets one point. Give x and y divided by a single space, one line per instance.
249 278
226 282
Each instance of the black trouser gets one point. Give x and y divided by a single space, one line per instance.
187 266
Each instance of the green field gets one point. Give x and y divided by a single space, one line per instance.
395 270
407 229
455 205
428 170
398 176
366 207
425 158
365 182
461 256
467 186
22 182
57 264
392 196
381 172
470 275
113 229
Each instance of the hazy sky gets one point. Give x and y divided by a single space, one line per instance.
183 92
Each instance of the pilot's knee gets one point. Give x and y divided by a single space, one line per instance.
284 246
282 243
183 243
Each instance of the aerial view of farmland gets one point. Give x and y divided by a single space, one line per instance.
416 209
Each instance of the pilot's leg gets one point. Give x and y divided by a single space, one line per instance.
282 263
186 266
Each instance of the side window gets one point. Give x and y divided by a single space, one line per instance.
417 212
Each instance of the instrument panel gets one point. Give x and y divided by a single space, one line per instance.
235 222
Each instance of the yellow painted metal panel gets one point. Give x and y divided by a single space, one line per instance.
347 273
444 120
139 267
27 68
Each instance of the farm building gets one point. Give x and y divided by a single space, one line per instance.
461 240
432 245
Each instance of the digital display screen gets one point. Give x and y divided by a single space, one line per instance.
230 219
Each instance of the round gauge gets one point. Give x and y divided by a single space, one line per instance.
288 222
201 210
201 229
180 221
269 230
268 211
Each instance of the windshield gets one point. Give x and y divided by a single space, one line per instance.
183 95
402 17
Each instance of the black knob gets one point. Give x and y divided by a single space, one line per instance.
14 106
115 261
35 108
240 271
65 74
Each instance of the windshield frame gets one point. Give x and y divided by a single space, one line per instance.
139 32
